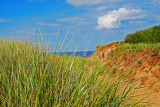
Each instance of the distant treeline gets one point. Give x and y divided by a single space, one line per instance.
150 35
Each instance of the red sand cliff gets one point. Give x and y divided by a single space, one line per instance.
142 66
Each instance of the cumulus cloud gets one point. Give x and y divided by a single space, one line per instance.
113 18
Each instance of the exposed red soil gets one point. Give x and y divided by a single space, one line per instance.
142 66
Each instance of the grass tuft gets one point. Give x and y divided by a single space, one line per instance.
150 35
30 76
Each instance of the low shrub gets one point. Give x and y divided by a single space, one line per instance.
150 35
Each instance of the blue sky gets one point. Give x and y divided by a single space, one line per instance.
87 22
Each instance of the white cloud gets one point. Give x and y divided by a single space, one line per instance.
3 20
100 8
35 1
70 19
75 21
156 1
136 22
113 18
47 34
47 24
89 2
84 2
158 18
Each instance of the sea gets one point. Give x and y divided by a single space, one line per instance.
83 54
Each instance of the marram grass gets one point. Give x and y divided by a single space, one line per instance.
150 35
29 76
151 47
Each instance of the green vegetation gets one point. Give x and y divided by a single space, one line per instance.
150 35
100 46
138 47
29 76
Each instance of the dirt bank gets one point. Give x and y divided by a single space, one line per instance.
142 66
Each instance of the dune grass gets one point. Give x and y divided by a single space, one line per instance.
150 35
30 76
100 46
151 47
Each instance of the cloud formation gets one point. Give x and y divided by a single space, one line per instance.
84 2
47 24
113 18
3 20
35 1
90 2
100 8
156 1
136 22
70 19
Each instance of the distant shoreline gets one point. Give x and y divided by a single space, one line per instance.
83 54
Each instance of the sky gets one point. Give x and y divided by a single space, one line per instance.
77 24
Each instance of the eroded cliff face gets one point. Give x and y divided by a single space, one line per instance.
142 66
101 53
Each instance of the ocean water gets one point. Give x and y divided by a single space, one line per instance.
84 54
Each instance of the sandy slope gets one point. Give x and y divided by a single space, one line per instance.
142 66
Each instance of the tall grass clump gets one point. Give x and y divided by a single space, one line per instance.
150 35
150 47
30 76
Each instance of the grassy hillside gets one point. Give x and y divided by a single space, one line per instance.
138 47
139 61
29 76
150 35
